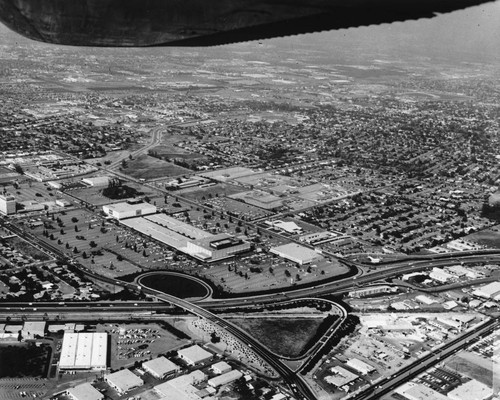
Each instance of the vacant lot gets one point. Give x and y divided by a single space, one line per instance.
488 237
147 167
27 249
284 336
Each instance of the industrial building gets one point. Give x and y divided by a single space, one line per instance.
7 204
85 391
32 329
297 253
123 381
318 238
194 355
285 226
416 391
84 351
160 367
182 388
128 209
439 275
372 290
489 291
341 377
360 366
216 247
224 379
221 367
471 390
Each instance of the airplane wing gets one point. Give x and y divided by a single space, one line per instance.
122 23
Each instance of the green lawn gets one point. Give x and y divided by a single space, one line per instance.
284 336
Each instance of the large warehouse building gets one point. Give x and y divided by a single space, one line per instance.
297 253
84 351
128 210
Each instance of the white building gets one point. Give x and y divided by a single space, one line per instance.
128 210
439 275
286 226
124 380
488 291
182 387
33 328
472 390
414 391
297 253
7 204
224 379
221 367
216 247
160 367
85 391
360 366
97 181
340 377
84 351
194 355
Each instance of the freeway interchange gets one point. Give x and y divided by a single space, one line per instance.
206 307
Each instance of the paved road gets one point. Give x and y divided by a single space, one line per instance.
379 389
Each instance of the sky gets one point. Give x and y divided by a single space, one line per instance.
467 35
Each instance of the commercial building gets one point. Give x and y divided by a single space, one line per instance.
160 367
98 181
216 247
124 380
194 355
415 391
472 390
33 328
285 226
128 209
439 275
488 291
84 351
221 367
224 379
85 391
182 388
370 291
360 366
341 377
7 204
188 239
297 253
318 238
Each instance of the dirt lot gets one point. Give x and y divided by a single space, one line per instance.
147 167
285 336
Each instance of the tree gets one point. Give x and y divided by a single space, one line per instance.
287 273
75 250
119 257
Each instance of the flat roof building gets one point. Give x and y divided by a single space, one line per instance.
472 390
160 367
360 366
488 291
97 181
33 328
124 380
416 391
85 391
221 367
340 377
297 253
182 387
83 351
226 378
194 355
128 210
7 204
216 247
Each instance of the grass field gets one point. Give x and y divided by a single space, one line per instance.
147 167
488 237
284 336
